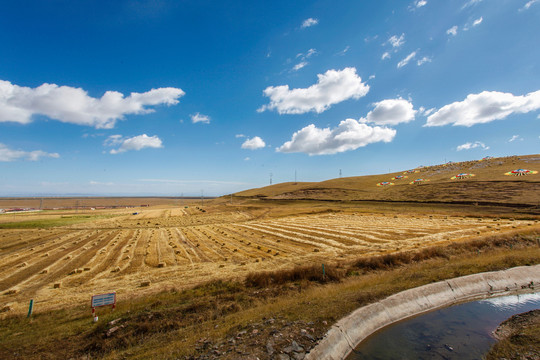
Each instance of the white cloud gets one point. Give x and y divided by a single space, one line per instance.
247 158
420 3
423 60
422 111
239 136
344 51
391 112
303 57
515 137
299 65
386 55
452 31
470 3
395 41
253 143
405 61
371 77
309 22
483 108
307 55
205 119
528 5
7 154
348 135
469 146
478 21
332 87
74 105
134 143
93 183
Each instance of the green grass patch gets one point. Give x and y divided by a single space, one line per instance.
64 220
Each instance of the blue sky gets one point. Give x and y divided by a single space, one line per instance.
178 97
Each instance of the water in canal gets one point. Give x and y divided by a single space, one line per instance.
458 332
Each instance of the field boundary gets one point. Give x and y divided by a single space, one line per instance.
348 332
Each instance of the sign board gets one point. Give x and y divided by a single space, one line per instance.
104 299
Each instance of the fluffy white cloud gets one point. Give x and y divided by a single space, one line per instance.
239 136
134 143
420 3
452 31
407 59
332 87
350 134
391 112
423 60
205 119
74 105
309 22
474 145
253 143
515 137
396 41
483 108
7 154
386 55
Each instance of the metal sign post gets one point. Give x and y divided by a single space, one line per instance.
30 308
102 300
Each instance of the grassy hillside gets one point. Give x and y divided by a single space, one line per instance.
489 185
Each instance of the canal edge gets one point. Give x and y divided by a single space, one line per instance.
348 332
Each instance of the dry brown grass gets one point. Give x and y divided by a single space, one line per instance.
172 323
490 185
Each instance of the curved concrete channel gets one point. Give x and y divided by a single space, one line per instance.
348 332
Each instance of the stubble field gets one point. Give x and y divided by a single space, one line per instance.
172 246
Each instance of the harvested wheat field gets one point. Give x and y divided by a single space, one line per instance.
60 265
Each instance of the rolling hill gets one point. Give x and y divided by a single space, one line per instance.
489 185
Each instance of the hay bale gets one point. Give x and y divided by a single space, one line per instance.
22 264
86 269
161 265
44 271
12 292
145 283
57 285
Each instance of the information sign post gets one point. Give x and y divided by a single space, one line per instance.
102 300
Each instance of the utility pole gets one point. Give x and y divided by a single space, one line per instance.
202 198
270 178
340 173
295 176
